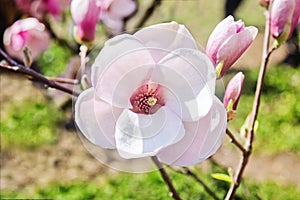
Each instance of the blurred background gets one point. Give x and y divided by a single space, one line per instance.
43 157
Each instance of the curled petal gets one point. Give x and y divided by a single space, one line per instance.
201 140
96 119
139 135
235 46
166 36
224 30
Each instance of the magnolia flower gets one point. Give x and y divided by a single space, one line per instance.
28 32
284 18
38 8
85 15
114 12
152 94
228 41
233 91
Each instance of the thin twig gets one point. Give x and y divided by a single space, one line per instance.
63 80
249 140
234 141
33 75
166 178
187 171
148 13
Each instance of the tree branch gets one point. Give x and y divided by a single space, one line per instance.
234 141
187 171
166 178
33 75
250 136
148 13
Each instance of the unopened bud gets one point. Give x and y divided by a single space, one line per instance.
233 91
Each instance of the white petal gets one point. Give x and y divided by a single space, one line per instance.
189 77
121 67
166 36
96 119
139 135
201 140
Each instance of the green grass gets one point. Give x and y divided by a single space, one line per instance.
55 60
279 115
30 124
151 186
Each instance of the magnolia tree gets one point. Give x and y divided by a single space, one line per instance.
149 93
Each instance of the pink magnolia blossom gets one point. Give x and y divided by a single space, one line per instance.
284 18
85 15
38 8
228 41
114 12
27 32
233 91
153 93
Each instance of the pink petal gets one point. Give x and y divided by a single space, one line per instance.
17 42
96 119
114 25
235 46
121 67
201 140
27 32
166 36
139 135
233 90
225 29
189 77
86 14
281 15
122 8
295 18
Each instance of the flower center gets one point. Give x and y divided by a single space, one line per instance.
147 99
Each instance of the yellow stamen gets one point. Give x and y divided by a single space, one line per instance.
151 101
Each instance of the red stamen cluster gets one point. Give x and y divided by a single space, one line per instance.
146 100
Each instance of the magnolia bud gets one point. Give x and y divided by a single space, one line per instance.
85 15
233 92
284 18
228 41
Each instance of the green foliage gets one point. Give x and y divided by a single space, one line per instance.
279 115
54 61
151 186
222 177
29 124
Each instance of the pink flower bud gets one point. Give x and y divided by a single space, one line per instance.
114 12
228 41
233 91
38 8
284 18
28 33
85 15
